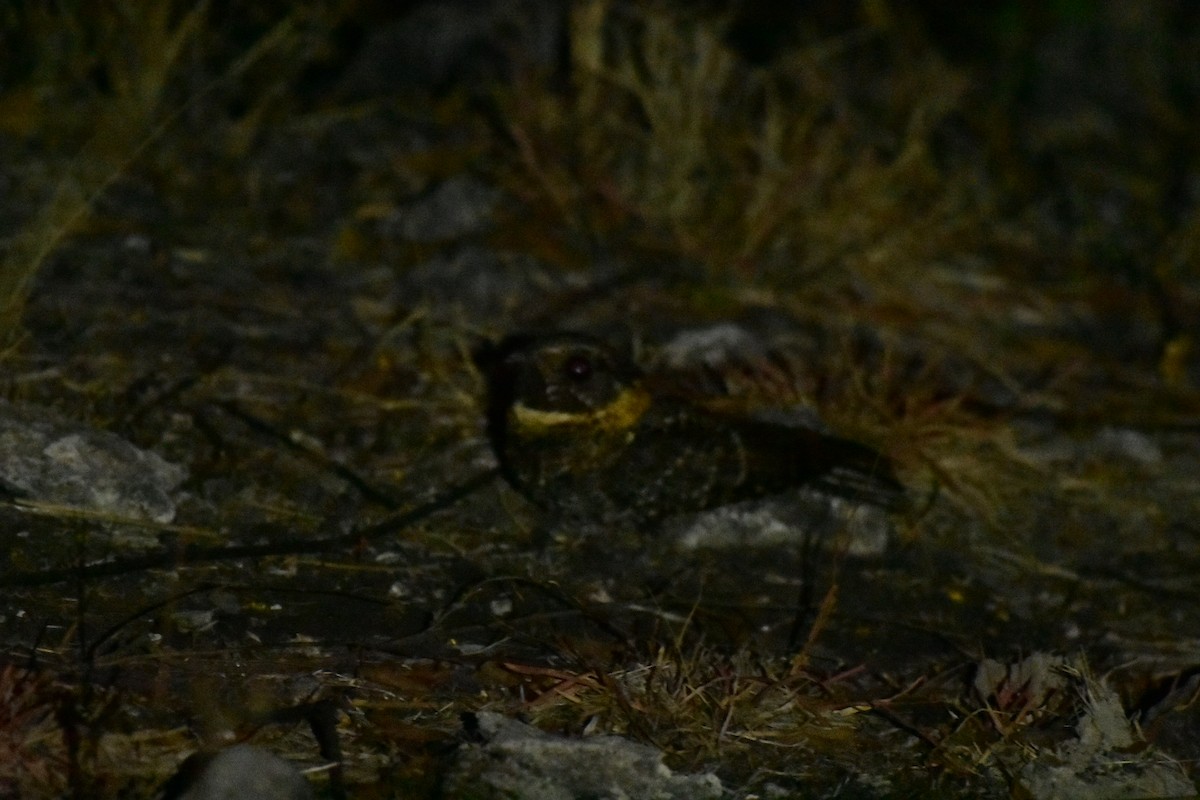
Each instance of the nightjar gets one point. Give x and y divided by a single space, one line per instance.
580 431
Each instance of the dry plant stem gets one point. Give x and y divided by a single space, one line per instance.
77 192
193 554
824 615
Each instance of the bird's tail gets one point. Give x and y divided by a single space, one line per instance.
860 473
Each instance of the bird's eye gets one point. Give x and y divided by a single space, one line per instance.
578 368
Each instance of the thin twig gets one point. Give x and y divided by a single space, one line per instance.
195 554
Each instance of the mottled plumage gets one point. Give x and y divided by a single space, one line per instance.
577 430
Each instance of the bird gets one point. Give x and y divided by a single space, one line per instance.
580 431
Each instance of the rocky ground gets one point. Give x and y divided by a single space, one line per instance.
249 498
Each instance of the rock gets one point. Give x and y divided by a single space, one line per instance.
1104 759
61 462
793 517
1102 762
478 281
729 361
1036 678
519 762
241 772
1123 443
712 345
456 208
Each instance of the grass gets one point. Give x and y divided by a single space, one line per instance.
862 185
99 87
772 176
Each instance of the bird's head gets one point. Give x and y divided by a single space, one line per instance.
543 383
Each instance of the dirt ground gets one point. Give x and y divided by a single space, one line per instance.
248 492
